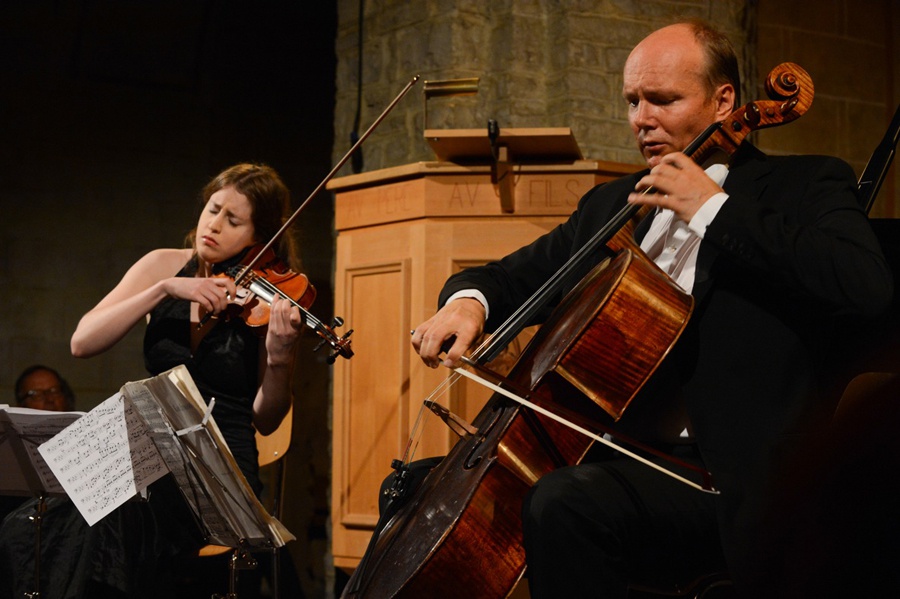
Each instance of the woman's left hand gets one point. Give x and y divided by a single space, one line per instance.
285 325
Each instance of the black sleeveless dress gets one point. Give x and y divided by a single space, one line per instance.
225 366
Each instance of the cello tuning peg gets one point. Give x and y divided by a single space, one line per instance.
336 322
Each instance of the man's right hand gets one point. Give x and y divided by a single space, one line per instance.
461 320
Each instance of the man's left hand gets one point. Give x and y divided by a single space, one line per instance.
678 183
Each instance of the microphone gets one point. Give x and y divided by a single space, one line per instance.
493 130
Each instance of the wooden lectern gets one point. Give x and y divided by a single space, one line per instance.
402 232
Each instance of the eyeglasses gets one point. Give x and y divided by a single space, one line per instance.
36 393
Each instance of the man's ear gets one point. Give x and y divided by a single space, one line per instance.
724 97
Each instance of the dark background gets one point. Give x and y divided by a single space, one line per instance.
113 115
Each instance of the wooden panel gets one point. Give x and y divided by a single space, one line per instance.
375 390
370 407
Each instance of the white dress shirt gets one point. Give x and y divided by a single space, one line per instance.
673 244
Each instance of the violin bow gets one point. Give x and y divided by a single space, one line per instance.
329 176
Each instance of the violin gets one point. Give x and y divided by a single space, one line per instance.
258 284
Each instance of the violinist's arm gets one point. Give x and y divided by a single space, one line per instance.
273 398
146 283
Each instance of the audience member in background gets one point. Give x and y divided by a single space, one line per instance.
42 388
64 533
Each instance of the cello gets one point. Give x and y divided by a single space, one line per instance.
462 526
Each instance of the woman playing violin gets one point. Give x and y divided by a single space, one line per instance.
247 370
175 288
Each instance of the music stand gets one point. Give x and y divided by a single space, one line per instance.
151 427
503 149
25 472
209 478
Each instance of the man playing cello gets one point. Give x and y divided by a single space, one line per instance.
775 250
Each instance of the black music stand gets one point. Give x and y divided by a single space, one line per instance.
167 428
25 472
194 450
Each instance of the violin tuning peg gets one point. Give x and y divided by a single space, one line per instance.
336 322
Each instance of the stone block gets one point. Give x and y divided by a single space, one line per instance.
822 16
840 66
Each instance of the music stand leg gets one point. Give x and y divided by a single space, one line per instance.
39 510
240 560
276 573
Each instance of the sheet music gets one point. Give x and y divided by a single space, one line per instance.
149 428
104 458
215 486
173 451
22 430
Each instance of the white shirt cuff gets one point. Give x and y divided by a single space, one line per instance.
474 294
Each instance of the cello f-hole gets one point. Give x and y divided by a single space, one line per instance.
474 457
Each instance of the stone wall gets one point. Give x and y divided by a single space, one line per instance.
544 63
541 63
850 48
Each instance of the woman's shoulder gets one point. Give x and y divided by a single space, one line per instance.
163 262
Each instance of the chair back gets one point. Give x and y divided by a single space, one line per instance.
273 447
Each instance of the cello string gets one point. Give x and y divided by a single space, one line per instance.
415 435
490 346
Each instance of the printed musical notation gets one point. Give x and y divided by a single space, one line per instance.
104 458
22 430
151 427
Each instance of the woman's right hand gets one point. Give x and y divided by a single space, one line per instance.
212 293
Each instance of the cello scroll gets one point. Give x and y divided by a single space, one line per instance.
790 89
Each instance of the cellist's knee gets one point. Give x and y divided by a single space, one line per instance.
574 499
563 510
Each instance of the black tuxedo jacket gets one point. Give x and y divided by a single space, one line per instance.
789 258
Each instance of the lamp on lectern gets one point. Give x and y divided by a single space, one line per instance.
448 87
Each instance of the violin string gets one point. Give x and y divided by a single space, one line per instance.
308 316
